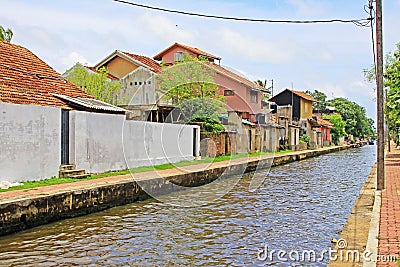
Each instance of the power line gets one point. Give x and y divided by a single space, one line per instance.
371 12
358 22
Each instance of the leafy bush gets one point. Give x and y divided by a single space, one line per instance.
305 139
210 124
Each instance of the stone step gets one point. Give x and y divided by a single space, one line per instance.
79 176
66 167
70 173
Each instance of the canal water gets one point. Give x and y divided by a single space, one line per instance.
300 207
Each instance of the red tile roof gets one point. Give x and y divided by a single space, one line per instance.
109 75
230 74
26 79
189 48
325 123
150 63
298 93
303 95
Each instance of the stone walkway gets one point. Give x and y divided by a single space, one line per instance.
389 227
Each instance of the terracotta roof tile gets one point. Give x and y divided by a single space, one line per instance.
25 79
325 123
150 63
192 49
230 74
303 95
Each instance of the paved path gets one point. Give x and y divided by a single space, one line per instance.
85 184
389 227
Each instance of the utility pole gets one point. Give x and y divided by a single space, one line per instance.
380 101
272 88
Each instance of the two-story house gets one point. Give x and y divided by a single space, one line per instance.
301 106
139 87
241 95
301 103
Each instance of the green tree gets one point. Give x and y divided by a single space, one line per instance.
265 96
6 35
338 130
187 79
320 96
190 85
392 83
391 77
354 116
95 84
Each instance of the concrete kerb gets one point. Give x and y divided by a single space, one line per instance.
372 243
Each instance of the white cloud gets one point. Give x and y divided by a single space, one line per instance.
73 58
164 28
325 55
250 48
307 7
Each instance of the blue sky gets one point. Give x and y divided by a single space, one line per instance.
326 57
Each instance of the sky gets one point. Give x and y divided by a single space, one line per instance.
325 57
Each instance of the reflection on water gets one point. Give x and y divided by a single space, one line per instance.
300 206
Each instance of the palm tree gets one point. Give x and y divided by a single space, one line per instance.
5 35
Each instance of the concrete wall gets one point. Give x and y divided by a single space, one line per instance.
104 142
30 147
138 88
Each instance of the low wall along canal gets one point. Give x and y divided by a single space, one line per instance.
299 206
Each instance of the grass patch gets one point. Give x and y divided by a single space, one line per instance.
54 180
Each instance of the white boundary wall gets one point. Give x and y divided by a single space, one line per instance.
105 142
30 142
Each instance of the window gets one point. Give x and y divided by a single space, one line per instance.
149 82
131 83
229 93
178 56
140 83
144 82
135 83
253 96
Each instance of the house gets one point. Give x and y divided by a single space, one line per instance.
137 74
139 88
301 110
323 129
300 101
241 95
36 102
176 52
26 79
50 126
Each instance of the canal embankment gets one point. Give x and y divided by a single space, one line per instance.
357 245
370 233
23 209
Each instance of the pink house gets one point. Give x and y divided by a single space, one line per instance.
241 95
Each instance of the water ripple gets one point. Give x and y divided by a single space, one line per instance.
300 206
